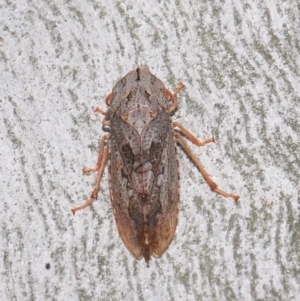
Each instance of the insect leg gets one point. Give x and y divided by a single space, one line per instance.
102 159
173 97
103 145
213 186
105 120
191 136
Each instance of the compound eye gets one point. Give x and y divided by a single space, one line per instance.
109 98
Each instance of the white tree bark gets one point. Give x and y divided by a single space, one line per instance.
241 65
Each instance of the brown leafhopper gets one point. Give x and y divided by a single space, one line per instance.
144 171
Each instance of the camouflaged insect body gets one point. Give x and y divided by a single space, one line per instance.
144 177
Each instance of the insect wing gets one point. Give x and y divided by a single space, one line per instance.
146 215
166 192
121 189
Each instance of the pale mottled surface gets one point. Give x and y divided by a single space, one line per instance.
240 62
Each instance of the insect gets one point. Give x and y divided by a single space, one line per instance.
144 171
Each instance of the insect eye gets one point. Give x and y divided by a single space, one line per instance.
109 98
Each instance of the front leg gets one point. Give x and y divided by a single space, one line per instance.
173 97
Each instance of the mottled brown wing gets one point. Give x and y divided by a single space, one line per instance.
166 191
121 188
159 150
